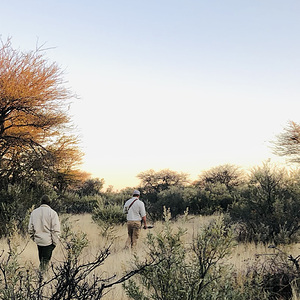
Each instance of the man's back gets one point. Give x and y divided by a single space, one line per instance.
137 210
44 226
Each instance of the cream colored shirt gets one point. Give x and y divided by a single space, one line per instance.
44 226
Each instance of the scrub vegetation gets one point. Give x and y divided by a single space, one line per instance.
180 258
192 257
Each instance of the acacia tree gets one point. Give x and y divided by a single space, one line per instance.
91 186
219 186
155 182
227 174
34 124
287 143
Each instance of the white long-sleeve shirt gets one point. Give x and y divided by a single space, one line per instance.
44 226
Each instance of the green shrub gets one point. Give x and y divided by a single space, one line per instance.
267 209
107 217
173 198
72 203
196 271
16 202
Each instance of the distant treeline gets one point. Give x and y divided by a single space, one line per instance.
263 203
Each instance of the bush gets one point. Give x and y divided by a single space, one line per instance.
71 203
177 198
194 271
173 198
107 216
279 273
267 209
16 203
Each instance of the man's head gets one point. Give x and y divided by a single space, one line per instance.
45 200
136 193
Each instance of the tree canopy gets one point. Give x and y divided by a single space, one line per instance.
34 121
227 174
287 143
152 181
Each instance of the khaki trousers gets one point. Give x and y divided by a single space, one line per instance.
134 228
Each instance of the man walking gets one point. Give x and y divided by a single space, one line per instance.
44 230
136 213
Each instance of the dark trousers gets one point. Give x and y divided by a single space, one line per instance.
45 254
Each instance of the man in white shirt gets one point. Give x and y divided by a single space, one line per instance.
44 230
136 213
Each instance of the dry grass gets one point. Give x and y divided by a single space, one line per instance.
119 259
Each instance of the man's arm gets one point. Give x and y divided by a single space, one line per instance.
125 209
144 221
55 231
143 215
31 230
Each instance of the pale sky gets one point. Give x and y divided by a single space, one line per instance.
184 85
